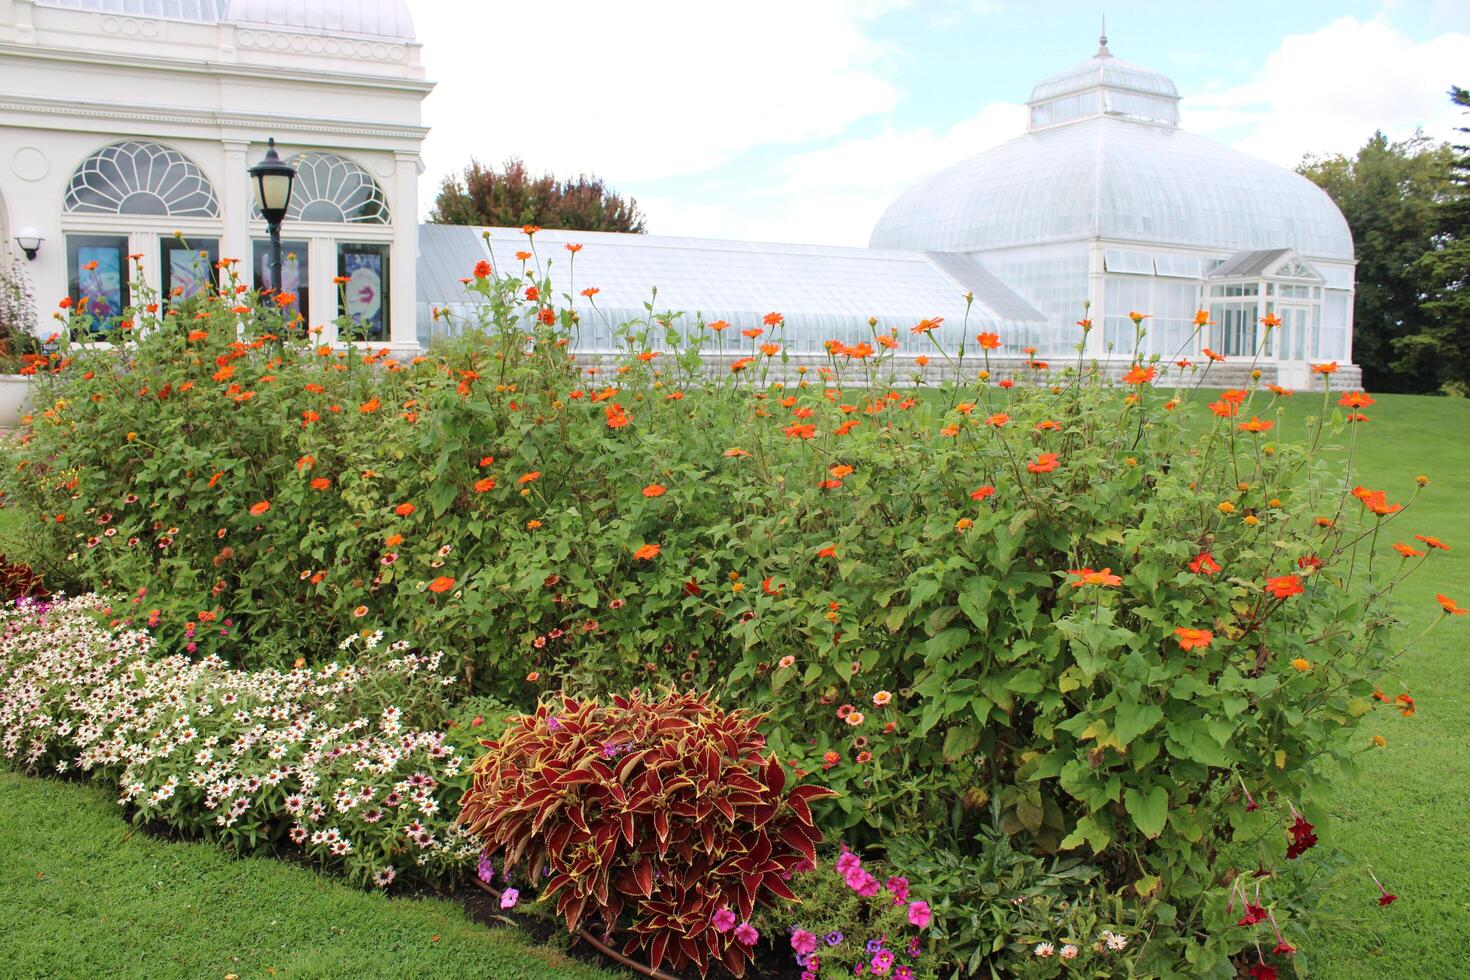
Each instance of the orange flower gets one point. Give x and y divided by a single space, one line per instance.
998 419
485 484
393 540
369 406
751 332
404 510
573 247
655 490
529 230
1409 551
647 552
321 483
1376 501
1048 425
800 431
1256 425
1449 605
982 493
1086 576
1045 463
1190 639
1328 368
257 509
770 350
523 255
1140 375
769 587
827 552
989 341
533 676
1284 586
530 477
927 326
773 319
216 478
1202 319
224 373
1432 542
950 430
740 365
1270 321
616 417
1406 705
718 326
963 524
1204 564
198 335
441 584
1223 409
1356 399
1212 355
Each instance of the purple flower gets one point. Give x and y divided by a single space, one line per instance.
486 870
551 723
723 920
833 938
745 933
509 898
873 946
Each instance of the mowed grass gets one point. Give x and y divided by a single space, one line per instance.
115 903
84 894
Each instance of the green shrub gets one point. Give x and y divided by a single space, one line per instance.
1116 613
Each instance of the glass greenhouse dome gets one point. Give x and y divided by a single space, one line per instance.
1103 208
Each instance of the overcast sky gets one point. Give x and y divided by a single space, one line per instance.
799 120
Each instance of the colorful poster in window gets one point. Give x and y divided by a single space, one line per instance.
188 267
294 272
99 280
365 294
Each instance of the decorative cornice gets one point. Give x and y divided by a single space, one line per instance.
196 118
89 59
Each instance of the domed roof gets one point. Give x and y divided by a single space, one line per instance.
1105 159
373 18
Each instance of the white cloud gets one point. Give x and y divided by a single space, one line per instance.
645 90
836 194
1327 91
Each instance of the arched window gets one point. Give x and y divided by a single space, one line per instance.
141 178
334 189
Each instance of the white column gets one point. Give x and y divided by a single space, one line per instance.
1096 283
235 200
403 267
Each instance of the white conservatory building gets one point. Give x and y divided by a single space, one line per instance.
127 128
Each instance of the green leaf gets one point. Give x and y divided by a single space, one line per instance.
1148 808
1133 719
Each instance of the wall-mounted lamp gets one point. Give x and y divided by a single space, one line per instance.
29 240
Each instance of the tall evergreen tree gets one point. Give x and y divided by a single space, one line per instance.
1447 269
512 196
1389 193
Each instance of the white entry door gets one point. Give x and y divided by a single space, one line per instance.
1295 345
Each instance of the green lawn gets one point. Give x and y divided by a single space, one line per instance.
84 894
80 893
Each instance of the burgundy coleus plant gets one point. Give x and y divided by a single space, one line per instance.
650 814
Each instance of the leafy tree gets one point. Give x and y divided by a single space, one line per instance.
1388 193
1447 269
512 196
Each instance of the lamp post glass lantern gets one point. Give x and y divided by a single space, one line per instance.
272 178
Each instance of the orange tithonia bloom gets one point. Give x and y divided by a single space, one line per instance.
1301 664
989 341
998 419
655 490
981 493
773 319
321 483
1044 463
927 326
1140 375
1376 501
1432 542
1329 368
1191 639
393 540
530 477
1284 586
963 524
441 584
647 552
1256 425
1211 354
1449 605
827 552
1408 551
259 508
840 471
1204 564
1356 399
485 484
1086 576
404 510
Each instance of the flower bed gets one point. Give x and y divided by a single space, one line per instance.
1087 617
246 758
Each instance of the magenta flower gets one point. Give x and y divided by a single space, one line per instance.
745 933
899 887
723 920
509 898
803 941
919 914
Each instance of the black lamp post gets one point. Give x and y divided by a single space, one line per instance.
273 178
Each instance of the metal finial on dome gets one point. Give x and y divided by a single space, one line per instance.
1102 40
